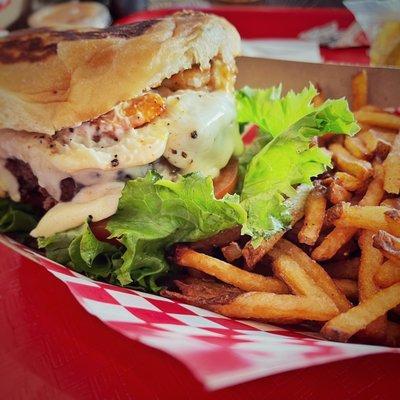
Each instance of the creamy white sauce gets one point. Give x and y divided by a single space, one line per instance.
210 115
98 201
196 133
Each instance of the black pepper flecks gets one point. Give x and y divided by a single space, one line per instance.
193 134
114 161
184 155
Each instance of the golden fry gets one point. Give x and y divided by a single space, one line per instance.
375 192
347 181
228 273
337 238
356 147
346 162
372 218
377 143
313 305
370 262
388 243
392 168
302 284
272 307
359 90
381 119
342 327
314 270
388 274
338 194
314 215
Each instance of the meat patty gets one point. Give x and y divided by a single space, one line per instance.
30 190
69 188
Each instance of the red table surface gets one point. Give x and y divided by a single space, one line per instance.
274 22
45 354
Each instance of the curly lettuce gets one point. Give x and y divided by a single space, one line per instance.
17 219
79 249
271 112
154 213
288 158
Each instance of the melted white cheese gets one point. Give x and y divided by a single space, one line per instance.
197 133
99 201
203 131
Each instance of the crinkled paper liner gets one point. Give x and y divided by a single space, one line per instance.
219 351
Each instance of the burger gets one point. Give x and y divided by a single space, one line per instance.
84 111
118 145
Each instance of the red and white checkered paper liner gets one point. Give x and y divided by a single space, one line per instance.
219 351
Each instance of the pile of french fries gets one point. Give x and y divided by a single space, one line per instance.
339 265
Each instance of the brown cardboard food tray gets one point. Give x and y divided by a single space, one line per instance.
334 79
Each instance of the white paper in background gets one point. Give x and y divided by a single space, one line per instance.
370 14
332 36
282 49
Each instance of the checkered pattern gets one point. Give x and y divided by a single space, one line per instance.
220 351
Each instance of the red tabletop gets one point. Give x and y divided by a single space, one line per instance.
48 355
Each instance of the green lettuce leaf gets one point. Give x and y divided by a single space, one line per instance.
154 213
16 217
272 175
79 249
57 245
269 111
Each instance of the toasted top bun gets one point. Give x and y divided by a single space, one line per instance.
51 80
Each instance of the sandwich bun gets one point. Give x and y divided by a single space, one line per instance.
51 80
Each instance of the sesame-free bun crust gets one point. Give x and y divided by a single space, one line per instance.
51 80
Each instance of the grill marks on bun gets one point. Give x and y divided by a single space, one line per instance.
33 45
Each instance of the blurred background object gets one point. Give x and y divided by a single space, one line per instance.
13 13
71 14
385 48
380 20
121 8
282 49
